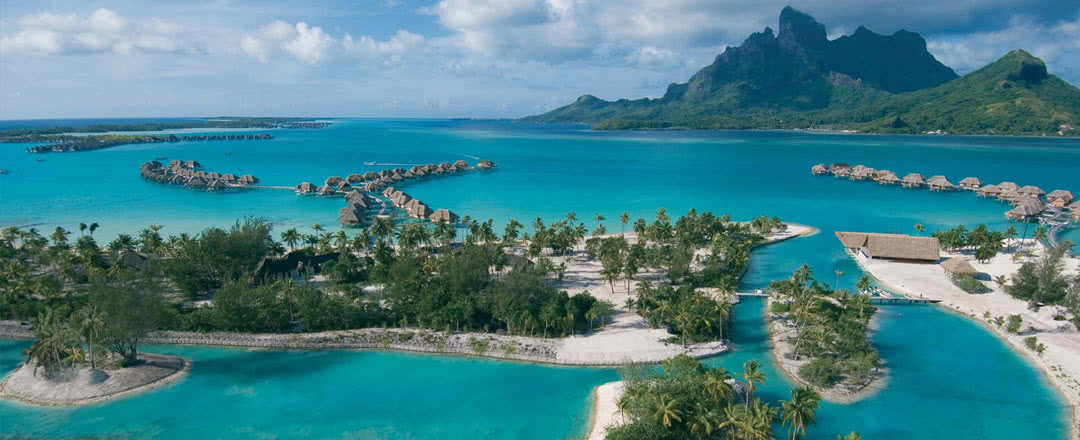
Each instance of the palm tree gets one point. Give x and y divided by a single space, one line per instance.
317 227
704 422
798 412
839 273
639 228
341 241
291 237
91 323
571 217
82 228
666 412
919 228
717 386
599 218
60 236
511 231
383 228
93 227
624 219
361 241
1040 233
752 374
1010 234
863 285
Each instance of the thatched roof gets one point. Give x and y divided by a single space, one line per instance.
842 172
305 187
1011 194
371 175
215 185
327 190
818 169
417 209
1031 190
385 173
1075 206
888 178
398 170
913 179
228 177
453 169
247 178
438 171
838 166
355 178
196 182
344 187
1060 194
444 165
989 190
971 182
356 197
1007 186
485 164
1023 210
273 266
940 182
372 186
895 246
333 180
388 191
176 163
350 215
444 216
192 164
958 266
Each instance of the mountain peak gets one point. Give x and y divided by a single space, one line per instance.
797 27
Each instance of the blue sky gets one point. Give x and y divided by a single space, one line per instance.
439 58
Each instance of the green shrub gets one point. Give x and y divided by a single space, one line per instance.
478 346
1031 343
779 308
969 284
821 372
1015 321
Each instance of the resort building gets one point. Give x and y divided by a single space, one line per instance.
913 180
294 264
485 164
940 183
897 247
971 183
888 178
958 266
1059 197
444 216
818 169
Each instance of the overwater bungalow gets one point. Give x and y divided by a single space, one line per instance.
958 266
988 191
913 180
940 183
192 164
305 188
842 173
838 166
354 178
1059 197
371 175
196 183
1031 190
408 175
177 179
344 187
333 180
385 173
228 177
1008 186
356 197
816 170
400 199
248 179
444 216
176 163
454 169
215 185
372 186
485 164
1074 206
213 176
200 174
461 164
897 247
396 177
889 178
417 209
326 190
398 170
862 173
444 165
429 168
389 191
438 171
1023 211
351 215
971 183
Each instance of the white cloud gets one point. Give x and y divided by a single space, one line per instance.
310 44
313 45
651 56
102 31
1057 44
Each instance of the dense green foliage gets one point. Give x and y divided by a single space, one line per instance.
983 242
831 328
865 82
687 400
1042 282
34 134
968 283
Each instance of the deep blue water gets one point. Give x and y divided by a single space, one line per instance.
951 379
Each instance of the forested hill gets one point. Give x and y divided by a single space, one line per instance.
865 81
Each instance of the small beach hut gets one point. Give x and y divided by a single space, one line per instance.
1008 186
333 180
305 188
940 183
816 170
988 191
958 266
913 180
1031 190
1060 197
889 178
355 178
444 216
971 183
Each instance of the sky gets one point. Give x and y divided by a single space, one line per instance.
440 58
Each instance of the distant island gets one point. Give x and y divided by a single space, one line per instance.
864 82
65 139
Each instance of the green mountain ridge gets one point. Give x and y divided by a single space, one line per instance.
866 82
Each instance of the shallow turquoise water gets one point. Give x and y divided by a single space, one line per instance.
951 379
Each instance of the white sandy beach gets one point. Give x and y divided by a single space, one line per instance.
605 412
84 386
1060 362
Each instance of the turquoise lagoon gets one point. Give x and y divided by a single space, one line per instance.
950 378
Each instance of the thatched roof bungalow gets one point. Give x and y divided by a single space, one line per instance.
305 188
958 266
247 179
1008 186
417 209
940 183
192 164
1023 211
289 266
838 166
385 173
176 163
1031 190
461 164
842 172
889 178
913 180
356 197
326 190
228 177
891 246
1060 197
371 175
444 165
818 169
354 178
344 187
351 215
389 191
988 191
333 180
862 173
971 183
444 216
196 182
485 164
372 186
215 185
